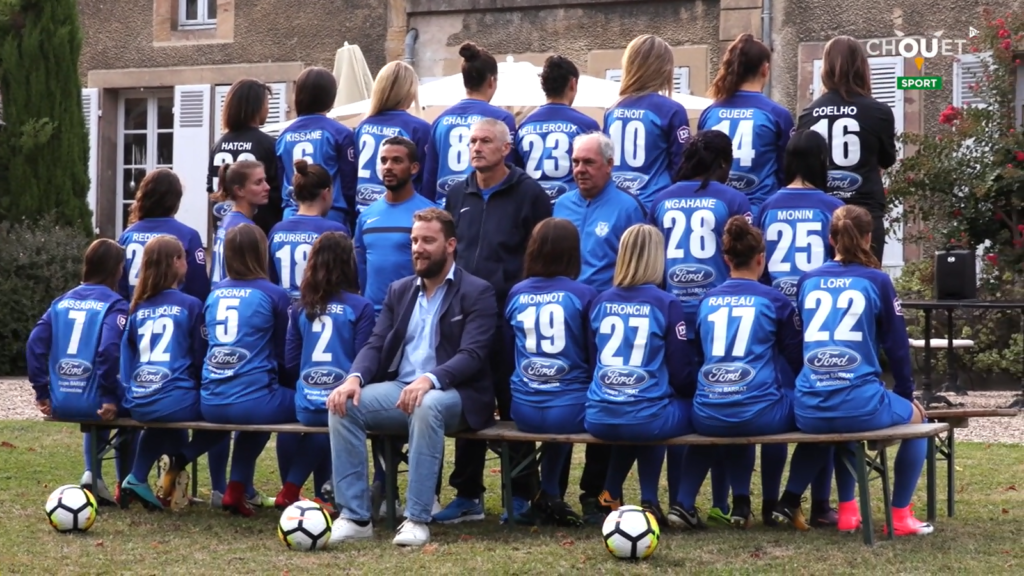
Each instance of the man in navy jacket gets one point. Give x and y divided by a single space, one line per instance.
495 210
423 371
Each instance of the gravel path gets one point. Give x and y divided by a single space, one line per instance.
16 403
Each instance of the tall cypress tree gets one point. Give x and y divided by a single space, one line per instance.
44 145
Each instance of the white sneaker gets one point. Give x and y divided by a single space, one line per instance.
216 498
411 533
257 501
98 488
437 506
344 529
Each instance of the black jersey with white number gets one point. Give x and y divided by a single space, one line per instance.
861 134
249 144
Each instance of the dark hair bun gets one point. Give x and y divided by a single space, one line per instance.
738 229
469 52
302 167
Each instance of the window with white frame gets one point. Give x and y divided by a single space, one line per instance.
680 78
1019 102
278 109
968 69
194 14
145 142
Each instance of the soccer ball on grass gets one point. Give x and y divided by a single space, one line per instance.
631 533
71 509
305 526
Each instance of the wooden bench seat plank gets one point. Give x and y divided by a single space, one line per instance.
973 413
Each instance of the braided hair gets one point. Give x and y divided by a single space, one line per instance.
707 157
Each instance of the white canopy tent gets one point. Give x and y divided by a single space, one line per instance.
519 91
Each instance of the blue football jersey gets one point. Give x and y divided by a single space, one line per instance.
217 270
73 349
643 355
649 133
544 142
693 222
745 330
760 129
848 311
246 324
370 136
550 322
795 222
383 243
320 140
291 241
321 350
448 148
134 240
162 353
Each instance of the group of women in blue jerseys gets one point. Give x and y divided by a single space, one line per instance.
751 303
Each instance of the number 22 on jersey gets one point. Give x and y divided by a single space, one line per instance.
821 301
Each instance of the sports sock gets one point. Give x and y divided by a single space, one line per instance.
248 446
619 465
909 461
821 487
807 460
675 455
152 442
288 449
648 467
552 462
846 484
773 464
739 464
217 459
719 483
696 464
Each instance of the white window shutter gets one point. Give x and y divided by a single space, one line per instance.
278 105
816 80
884 72
613 74
220 95
969 70
192 152
91 111
1019 102
681 80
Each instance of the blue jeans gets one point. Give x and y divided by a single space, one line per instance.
440 413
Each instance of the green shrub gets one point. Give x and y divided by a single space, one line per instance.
40 260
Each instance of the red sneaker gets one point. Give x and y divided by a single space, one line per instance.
849 516
289 494
904 523
234 500
328 507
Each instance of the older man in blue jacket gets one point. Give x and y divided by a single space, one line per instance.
424 371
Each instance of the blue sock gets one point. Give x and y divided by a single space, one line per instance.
696 464
217 460
322 472
675 455
719 483
909 461
124 454
151 445
551 463
619 464
821 487
773 464
846 484
648 468
102 436
739 464
807 460
309 453
202 441
288 448
248 446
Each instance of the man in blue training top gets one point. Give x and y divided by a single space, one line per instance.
601 212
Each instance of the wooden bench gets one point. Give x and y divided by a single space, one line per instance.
860 462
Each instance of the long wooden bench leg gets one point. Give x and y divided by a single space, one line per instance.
951 473
506 482
861 463
886 494
930 464
93 451
390 482
195 479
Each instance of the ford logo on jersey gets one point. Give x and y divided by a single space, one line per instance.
151 376
369 193
445 184
727 374
555 189
323 377
843 181
622 377
690 275
543 370
832 359
630 181
221 209
787 286
74 369
226 357
742 181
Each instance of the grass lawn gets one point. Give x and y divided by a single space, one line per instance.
35 457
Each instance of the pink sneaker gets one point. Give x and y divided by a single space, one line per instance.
849 516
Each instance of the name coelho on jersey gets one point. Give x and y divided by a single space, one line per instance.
841 183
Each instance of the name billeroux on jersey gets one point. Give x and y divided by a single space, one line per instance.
159 311
381 130
689 203
835 111
835 282
232 292
731 301
628 113
82 304
302 237
235 146
540 298
628 309
461 120
794 214
300 136
736 113
545 127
